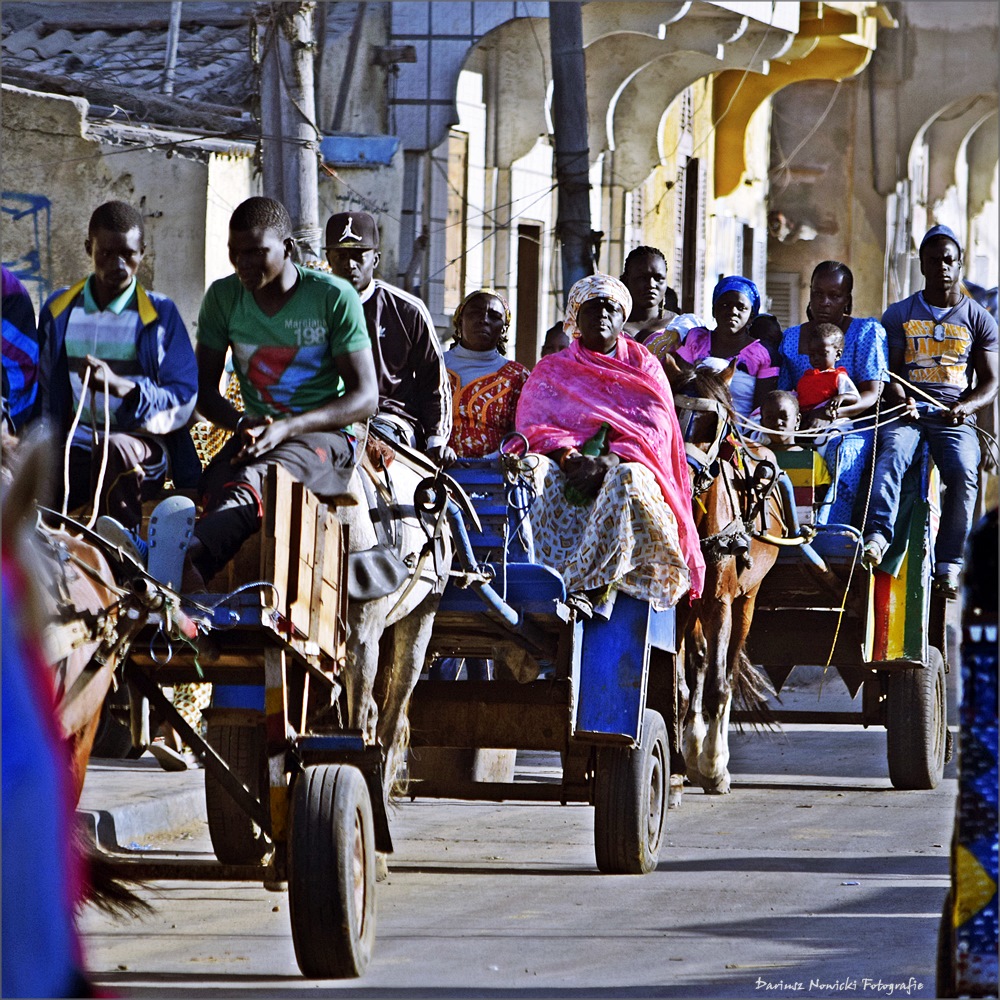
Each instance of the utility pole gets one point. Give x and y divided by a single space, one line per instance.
569 113
290 142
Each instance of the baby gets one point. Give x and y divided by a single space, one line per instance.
825 387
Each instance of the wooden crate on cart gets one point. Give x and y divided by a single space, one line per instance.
302 550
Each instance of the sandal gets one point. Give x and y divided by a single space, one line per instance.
170 527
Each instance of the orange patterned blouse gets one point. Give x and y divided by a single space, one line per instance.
484 409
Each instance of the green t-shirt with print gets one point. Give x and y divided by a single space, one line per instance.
285 362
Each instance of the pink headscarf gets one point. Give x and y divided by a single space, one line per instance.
570 394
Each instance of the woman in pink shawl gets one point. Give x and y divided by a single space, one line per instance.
635 532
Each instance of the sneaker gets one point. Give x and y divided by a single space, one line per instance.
128 541
947 583
874 551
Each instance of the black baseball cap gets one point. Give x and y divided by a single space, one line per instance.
352 230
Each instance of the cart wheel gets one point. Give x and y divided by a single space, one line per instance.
630 801
237 839
331 872
114 738
946 986
916 724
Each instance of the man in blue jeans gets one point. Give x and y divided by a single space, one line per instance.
937 339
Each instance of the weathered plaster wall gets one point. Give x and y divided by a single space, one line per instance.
57 168
824 193
375 189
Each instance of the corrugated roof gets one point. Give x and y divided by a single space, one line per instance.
125 45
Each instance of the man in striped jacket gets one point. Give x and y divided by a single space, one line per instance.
141 367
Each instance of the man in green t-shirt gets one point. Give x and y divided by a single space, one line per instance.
304 362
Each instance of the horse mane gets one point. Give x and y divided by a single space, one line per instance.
690 380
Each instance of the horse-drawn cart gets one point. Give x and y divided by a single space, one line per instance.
293 796
883 631
599 691
288 789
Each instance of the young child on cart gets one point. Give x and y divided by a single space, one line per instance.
779 413
825 387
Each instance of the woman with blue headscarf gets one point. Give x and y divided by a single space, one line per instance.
735 304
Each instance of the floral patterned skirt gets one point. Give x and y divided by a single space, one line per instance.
626 538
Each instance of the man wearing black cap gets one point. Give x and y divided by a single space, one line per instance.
414 391
937 339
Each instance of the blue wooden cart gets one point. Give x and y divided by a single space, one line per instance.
598 691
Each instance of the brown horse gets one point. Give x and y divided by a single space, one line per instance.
85 623
733 504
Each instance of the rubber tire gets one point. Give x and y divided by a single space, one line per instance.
236 838
630 801
331 872
113 740
917 724
945 971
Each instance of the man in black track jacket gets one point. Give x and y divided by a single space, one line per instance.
414 391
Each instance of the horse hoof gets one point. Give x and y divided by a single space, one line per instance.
381 867
716 786
676 793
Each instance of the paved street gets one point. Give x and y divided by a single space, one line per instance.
814 871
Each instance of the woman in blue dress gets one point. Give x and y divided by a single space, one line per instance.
866 358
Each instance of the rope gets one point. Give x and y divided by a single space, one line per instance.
104 450
854 561
69 440
994 444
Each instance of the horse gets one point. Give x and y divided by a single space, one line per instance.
732 492
398 518
77 606
65 630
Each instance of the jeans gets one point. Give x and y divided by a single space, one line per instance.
955 450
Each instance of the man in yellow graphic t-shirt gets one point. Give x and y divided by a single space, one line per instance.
938 340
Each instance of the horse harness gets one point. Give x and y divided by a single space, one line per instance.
748 493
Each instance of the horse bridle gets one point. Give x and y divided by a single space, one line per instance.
734 539
703 461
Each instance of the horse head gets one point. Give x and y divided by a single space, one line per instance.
705 414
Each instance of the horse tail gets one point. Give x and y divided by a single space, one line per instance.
109 888
751 688
397 775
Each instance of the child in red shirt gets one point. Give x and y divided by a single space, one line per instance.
825 387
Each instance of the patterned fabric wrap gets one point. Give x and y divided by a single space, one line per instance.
570 394
663 342
746 288
627 537
483 409
596 286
